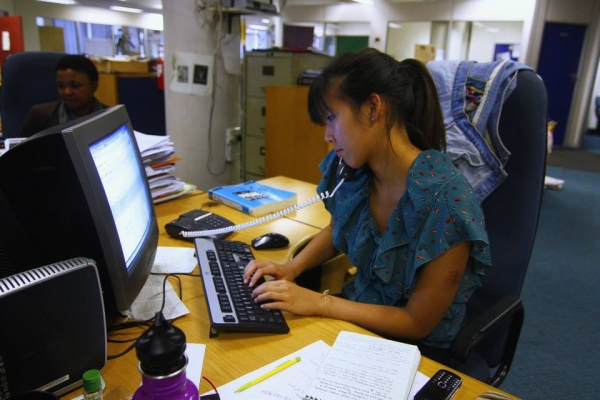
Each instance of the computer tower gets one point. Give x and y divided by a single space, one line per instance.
53 327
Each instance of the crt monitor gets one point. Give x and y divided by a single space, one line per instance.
80 190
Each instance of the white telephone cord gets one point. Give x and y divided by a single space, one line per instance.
267 218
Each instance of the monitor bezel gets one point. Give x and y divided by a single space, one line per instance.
78 138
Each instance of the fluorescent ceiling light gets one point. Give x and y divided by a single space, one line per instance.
364 1
157 6
258 27
65 2
126 9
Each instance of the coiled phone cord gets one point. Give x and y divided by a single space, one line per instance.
267 218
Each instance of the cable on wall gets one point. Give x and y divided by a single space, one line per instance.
210 13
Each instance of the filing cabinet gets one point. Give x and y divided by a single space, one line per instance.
264 68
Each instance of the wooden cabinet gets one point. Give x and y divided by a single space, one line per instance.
294 146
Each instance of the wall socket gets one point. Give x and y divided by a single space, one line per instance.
233 144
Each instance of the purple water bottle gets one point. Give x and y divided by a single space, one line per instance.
162 363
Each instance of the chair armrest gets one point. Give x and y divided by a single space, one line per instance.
506 309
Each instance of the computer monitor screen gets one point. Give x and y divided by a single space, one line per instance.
80 189
124 188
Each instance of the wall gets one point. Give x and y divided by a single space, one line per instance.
382 12
397 44
508 32
197 124
7 5
533 13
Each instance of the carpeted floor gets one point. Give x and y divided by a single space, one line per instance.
585 159
557 357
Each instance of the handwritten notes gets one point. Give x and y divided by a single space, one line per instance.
288 384
365 367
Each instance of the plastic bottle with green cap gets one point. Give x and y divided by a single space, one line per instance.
92 385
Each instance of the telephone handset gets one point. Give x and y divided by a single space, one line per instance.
343 172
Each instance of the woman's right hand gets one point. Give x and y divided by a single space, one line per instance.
257 269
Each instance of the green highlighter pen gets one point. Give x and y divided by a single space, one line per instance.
269 374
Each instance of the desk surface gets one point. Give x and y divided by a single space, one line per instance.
234 354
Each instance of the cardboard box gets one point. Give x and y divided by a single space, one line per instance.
122 66
425 52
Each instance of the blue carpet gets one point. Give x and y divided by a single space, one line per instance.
557 357
591 143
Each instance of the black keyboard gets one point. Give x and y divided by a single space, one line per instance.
229 300
198 220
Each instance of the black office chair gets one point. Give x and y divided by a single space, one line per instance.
485 347
28 78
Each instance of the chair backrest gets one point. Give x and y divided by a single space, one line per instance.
28 78
512 210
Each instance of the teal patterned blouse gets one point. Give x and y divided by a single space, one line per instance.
438 211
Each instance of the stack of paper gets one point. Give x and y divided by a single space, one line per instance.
159 161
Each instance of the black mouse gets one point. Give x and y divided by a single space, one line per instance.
270 241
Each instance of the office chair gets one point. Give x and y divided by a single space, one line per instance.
485 347
28 78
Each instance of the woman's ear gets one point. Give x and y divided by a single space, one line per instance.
374 104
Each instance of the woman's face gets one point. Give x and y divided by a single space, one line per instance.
348 131
76 90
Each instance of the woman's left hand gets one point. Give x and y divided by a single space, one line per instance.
287 296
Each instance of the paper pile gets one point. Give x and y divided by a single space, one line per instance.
159 161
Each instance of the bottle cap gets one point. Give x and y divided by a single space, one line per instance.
91 380
161 348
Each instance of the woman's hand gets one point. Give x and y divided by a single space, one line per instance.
287 296
257 269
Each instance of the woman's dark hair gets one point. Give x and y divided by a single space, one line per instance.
80 64
407 86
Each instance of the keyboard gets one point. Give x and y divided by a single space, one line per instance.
198 220
229 300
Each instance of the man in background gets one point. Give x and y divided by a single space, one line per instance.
77 81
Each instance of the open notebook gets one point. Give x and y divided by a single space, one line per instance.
365 367
346 370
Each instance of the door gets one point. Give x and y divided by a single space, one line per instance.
558 66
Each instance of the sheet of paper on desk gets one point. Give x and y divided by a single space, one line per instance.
150 300
288 384
173 260
418 383
195 354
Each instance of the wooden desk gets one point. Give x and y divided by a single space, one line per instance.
315 215
232 355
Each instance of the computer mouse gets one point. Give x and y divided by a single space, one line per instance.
270 241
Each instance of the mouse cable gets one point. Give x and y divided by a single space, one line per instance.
135 324
270 217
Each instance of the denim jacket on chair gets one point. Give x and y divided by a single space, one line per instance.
471 96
